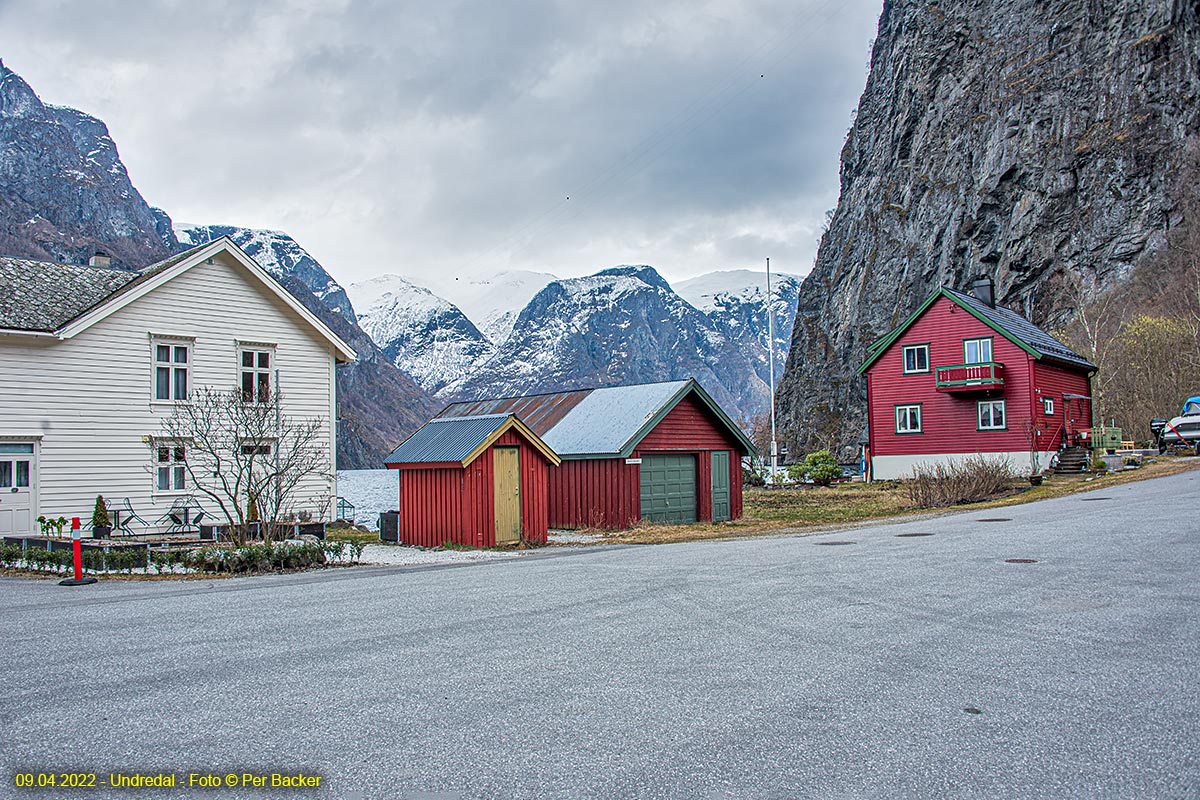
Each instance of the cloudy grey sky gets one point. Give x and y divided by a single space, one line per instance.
469 137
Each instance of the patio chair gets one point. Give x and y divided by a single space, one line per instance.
176 517
124 514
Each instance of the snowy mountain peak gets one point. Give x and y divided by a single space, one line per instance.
715 289
277 253
643 272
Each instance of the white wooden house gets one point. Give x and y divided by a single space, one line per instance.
93 358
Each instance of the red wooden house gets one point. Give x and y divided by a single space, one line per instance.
477 481
660 451
963 375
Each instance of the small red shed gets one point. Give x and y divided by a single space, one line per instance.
477 481
665 452
962 376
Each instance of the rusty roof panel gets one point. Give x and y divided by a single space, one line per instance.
540 412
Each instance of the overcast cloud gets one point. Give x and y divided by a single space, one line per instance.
447 137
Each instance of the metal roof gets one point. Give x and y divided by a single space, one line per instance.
43 296
446 439
605 421
608 421
540 412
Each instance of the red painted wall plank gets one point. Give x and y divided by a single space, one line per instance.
949 420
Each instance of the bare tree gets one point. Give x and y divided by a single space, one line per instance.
246 456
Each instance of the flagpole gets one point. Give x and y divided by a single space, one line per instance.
771 366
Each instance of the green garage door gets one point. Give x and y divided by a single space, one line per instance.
669 488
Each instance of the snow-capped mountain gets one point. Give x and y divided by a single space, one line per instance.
424 335
492 303
276 252
735 302
624 325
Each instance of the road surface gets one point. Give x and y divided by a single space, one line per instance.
861 663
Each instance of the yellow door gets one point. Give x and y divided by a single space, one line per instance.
506 463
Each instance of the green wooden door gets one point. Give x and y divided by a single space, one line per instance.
720 485
669 488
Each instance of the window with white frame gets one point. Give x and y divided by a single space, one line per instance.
908 418
916 358
977 351
992 416
170 467
171 364
1048 406
255 374
257 448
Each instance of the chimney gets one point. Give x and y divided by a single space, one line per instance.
101 259
984 291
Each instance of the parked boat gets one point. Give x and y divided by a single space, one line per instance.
1184 429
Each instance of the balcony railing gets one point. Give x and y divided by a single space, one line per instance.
970 377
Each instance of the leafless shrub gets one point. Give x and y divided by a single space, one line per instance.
973 479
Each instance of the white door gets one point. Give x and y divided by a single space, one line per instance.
18 470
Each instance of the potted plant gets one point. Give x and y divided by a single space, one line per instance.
101 525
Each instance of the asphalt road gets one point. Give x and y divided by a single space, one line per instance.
770 668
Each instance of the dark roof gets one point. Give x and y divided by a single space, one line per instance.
43 296
1005 321
600 422
444 440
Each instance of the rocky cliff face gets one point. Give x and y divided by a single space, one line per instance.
66 192
1030 141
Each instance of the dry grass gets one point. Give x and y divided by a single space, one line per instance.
811 509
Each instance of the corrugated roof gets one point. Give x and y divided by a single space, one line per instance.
540 412
44 296
446 439
1023 329
595 422
605 421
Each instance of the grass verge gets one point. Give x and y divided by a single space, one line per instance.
811 508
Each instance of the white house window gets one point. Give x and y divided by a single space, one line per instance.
908 419
169 465
171 361
916 358
256 375
257 449
991 415
1048 406
977 351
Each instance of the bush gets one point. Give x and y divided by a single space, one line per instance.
820 468
100 513
968 481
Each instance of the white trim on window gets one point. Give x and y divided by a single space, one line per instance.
920 358
983 343
908 419
170 369
1048 406
170 471
256 364
991 415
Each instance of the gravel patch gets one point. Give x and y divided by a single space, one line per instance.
574 537
393 555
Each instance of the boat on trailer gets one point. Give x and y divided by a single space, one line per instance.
1182 430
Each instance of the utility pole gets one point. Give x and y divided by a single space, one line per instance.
771 366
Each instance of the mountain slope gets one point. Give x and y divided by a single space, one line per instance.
493 302
66 193
422 334
621 325
278 253
1030 142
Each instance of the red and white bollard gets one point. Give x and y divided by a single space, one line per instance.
77 551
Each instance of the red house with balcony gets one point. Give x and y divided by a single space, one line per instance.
964 376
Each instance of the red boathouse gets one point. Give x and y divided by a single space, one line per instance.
665 452
477 481
962 376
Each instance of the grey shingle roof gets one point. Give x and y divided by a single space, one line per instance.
445 439
43 296
1023 329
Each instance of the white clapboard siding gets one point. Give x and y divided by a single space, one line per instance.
89 398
